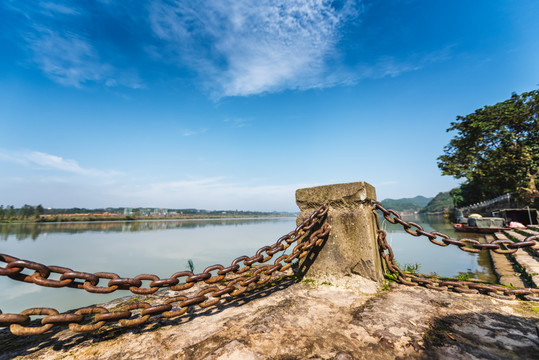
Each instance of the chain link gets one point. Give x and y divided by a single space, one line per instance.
468 245
308 234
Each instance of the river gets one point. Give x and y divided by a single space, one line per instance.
165 247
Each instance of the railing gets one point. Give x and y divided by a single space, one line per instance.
349 211
502 198
468 245
232 281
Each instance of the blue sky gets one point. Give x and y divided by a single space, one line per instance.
235 104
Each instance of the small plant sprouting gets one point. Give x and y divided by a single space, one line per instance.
464 276
407 268
191 265
391 276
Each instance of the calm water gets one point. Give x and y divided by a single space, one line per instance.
164 247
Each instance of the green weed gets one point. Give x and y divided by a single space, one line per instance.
191 265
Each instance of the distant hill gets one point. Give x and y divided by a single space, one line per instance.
440 202
414 204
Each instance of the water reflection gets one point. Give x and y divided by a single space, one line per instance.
23 231
164 247
433 259
128 249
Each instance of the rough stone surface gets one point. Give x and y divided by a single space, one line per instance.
351 247
302 321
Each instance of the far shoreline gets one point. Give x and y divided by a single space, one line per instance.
74 218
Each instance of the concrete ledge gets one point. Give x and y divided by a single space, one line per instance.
338 195
301 321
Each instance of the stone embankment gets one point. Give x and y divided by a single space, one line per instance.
521 268
310 321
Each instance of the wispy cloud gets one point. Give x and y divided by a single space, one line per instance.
51 8
391 66
64 52
67 58
237 47
238 122
215 193
47 182
191 132
72 60
20 290
51 162
242 47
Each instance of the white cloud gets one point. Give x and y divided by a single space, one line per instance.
45 181
191 132
64 53
237 47
393 67
238 122
242 47
214 193
50 8
51 162
71 60
20 290
67 58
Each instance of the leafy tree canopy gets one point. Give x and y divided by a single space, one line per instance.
496 150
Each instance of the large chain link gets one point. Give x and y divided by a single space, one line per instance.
469 287
230 281
468 245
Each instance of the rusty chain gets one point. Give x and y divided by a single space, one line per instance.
440 284
497 245
307 235
93 318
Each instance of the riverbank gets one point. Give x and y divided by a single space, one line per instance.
94 218
308 321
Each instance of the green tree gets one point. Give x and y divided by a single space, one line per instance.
10 212
456 195
496 150
27 211
39 210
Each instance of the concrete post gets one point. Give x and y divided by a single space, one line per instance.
351 251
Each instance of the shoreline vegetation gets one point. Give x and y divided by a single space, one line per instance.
37 214
117 217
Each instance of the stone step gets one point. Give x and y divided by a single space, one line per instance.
528 231
528 262
503 268
515 236
533 227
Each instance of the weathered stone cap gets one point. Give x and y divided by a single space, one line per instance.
335 195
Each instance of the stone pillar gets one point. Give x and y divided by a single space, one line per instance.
351 251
